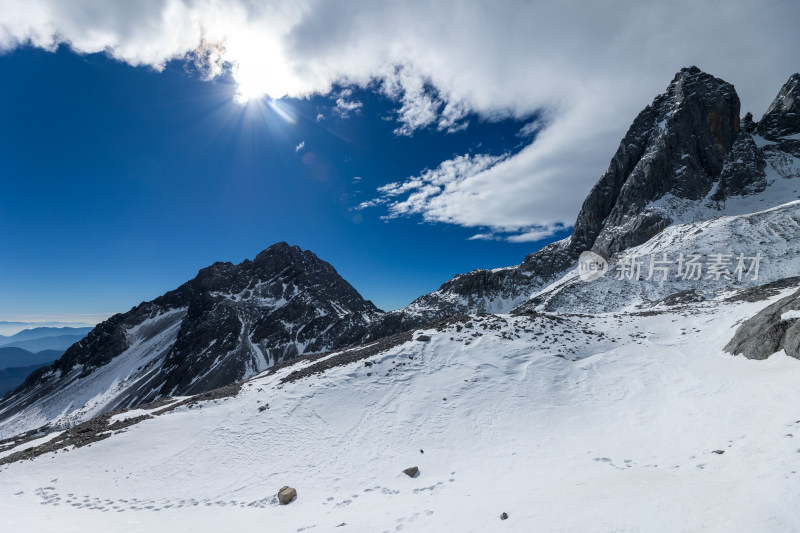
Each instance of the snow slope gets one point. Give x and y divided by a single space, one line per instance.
606 422
774 234
77 397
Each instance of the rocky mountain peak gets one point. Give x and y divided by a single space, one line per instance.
229 322
677 145
294 266
783 115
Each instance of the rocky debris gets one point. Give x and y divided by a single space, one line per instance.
504 516
772 329
718 452
679 298
423 338
324 361
286 495
412 471
765 291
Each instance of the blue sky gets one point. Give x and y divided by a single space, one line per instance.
119 183
126 165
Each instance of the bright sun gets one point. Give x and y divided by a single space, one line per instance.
261 69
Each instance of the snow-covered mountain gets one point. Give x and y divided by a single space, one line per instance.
660 396
226 324
686 158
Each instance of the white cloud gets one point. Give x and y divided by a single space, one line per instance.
429 194
589 66
344 107
484 237
532 234
299 146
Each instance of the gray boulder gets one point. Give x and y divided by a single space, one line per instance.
411 472
286 495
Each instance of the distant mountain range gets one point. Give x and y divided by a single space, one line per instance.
65 334
11 356
8 328
29 349
10 378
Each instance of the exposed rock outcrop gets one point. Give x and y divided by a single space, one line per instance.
783 115
677 145
775 328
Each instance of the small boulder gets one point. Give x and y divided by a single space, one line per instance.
423 338
504 516
286 495
411 472
718 452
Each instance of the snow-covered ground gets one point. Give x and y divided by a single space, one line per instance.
607 422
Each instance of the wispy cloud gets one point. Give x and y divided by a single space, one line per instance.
533 234
464 191
345 106
299 146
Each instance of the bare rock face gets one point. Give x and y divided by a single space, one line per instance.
783 115
744 172
678 145
286 495
775 328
